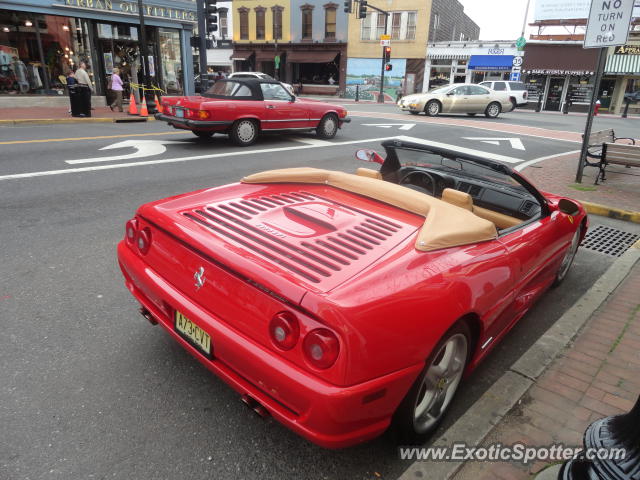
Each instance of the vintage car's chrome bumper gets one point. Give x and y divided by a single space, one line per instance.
185 122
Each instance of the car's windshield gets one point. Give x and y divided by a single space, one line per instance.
455 166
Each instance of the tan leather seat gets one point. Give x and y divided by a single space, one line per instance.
458 198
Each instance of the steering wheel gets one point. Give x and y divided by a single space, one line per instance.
424 182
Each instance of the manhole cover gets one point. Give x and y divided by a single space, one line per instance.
609 241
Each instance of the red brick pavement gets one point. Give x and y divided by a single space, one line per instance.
596 376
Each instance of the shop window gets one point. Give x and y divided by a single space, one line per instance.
307 21
396 24
223 21
330 20
171 60
244 23
277 21
411 26
260 30
365 28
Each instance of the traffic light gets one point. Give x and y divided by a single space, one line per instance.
211 10
388 67
348 6
362 9
387 55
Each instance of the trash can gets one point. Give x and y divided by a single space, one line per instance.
79 97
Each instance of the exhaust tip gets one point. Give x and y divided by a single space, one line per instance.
254 405
147 314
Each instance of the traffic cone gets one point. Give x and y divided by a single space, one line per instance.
158 104
143 109
133 108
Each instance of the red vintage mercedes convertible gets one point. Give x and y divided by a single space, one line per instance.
243 108
341 303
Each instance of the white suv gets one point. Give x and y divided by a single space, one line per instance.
516 90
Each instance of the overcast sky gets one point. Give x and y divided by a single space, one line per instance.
498 19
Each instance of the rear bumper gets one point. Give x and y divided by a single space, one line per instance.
191 124
333 416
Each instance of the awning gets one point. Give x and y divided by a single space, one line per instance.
219 56
490 62
623 64
266 55
311 56
241 54
559 59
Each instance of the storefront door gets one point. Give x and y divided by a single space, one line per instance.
554 96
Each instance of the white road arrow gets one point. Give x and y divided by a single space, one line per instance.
143 148
403 126
516 143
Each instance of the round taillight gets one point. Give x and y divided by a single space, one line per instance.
143 240
130 230
284 330
321 348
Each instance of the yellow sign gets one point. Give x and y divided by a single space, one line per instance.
385 37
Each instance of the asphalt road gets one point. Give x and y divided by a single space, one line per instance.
88 389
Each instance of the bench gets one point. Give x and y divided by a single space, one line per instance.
617 154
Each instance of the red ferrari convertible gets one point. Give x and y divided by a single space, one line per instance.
243 108
341 303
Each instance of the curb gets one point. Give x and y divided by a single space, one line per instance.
52 121
478 421
611 212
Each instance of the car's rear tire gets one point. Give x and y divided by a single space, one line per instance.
328 126
493 110
567 260
201 134
426 403
514 104
432 108
244 132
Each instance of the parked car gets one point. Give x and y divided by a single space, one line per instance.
457 98
262 76
341 303
245 107
518 95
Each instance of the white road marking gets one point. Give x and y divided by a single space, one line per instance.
144 148
236 153
469 151
403 126
515 142
311 141
528 163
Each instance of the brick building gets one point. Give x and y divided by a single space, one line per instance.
450 23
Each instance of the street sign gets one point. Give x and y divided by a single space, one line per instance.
385 37
385 43
520 43
608 23
517 61
515 76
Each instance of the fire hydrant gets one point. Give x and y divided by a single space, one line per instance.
595 112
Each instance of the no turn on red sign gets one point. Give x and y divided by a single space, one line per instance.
608 23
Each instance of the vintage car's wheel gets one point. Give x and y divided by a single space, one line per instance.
427 401
328 126
493 110
244 132
567 260
432 108
201 134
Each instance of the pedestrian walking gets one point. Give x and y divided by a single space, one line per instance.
116 88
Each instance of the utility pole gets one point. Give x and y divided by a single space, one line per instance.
144 50
202 40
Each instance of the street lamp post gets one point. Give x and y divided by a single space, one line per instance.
144 51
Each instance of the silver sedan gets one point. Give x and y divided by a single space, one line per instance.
457 98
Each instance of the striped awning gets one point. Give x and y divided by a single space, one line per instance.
623 65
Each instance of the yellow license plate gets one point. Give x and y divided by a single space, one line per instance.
193 333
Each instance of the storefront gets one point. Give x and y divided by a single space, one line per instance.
219 57
623 71
468 62
559 72
41 42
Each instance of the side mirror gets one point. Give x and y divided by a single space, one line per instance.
568 207
368 155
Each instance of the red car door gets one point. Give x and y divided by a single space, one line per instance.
281 109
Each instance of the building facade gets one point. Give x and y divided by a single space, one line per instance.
622 75
41 41
450 23
299 42
468 62
408 28
219 57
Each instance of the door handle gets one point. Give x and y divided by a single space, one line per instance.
271 106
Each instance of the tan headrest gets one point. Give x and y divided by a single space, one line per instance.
456 197
368 172
445 226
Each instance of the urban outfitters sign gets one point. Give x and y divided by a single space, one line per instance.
131 8
608 23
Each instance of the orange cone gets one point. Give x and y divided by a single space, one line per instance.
133 108
143 109
158 104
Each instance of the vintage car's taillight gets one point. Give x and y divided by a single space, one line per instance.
321 348
143 240
284 330
203 114
130 231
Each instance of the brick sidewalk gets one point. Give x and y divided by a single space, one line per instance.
54 113
596 376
